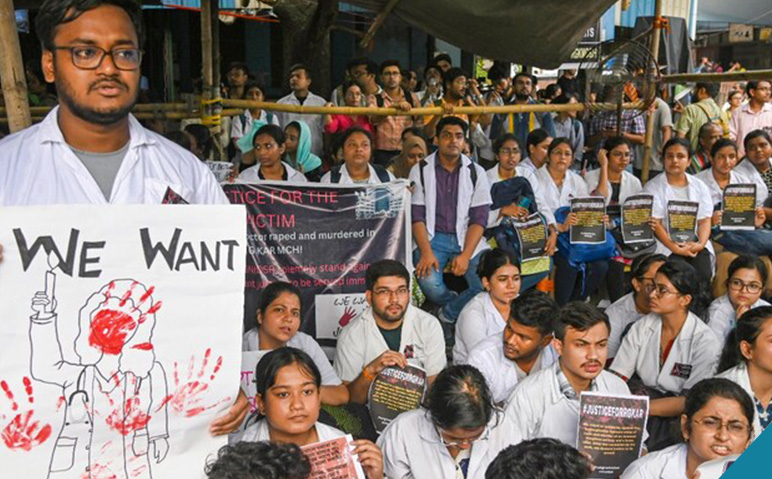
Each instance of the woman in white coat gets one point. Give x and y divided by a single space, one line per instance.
747 360
670 349
487 313
278 322
747 276
288 403
757 165
269 146
455 436
357 144
716 423
675 185
615 184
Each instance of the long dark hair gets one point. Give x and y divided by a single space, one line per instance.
747 329
460 399
685 279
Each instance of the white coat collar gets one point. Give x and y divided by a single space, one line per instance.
49 131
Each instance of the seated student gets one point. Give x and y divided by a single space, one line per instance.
702 158
269 148
615 184
288 402
717 178
716 423
455 435
536 145
450 212
623 313
745 362
757 165
546 403
560 185
677 185
670 349
392 332
487 312
298 151
542 458
747 277
413 151
357 144
523 348
278 321
259 460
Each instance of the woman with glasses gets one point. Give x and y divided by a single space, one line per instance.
716 423
339 123
670 349
455 435
745 283
747 361
288 403
487 313
623 313
269 147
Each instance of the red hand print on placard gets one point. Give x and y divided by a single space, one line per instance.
348 314
23 432
114 322
128 419
190 393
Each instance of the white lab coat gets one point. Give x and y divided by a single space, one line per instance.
259 431
37 167
539 409
628 186
314 122
361 341
252 174
527 164
501 373
412 448
739 376
735 178
478 320
669 463
663 193
345 179
425 194
573 187
538 194
721 316
746 169
693 357
306 344
621 314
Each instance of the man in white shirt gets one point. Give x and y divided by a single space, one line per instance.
390 333
90 149
546 404
523 348
300 82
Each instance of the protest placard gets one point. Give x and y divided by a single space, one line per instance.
394 391
589 228
636 212
739 207
532 236
333 460
682 220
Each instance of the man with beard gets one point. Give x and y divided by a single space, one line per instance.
546 404
522 349
521 124
90 149
391 332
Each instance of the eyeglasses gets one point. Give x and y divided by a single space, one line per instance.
509 152
463 442
648 284
661 290
739 285
714 424
384 293
90 57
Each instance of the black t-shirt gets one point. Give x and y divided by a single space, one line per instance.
393 337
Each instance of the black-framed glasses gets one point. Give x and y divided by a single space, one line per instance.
91 57
738 285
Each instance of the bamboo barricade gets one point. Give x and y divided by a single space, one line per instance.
717 77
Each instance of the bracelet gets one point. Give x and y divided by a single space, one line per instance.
370 378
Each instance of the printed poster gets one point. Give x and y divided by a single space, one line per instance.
739 207
122 338
394 391
611 430
333 459
682 220
589 228
220 169
532 235
335 311
636 212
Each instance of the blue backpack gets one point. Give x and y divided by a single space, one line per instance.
582 253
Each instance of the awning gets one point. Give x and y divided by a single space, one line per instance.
540 33
755 12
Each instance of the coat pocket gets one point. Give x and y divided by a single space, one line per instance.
64 454
140 444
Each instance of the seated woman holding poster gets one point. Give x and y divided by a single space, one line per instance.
357 144
456 435
747 277
487 313
559 185
745 361
278 321
682 209
615 184
716 422
269 147
288 404
756 166
670 349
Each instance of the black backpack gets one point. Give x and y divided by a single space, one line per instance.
383 175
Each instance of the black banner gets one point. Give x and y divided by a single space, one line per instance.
589 228
682 220
739 207
322 239
635 219
394 391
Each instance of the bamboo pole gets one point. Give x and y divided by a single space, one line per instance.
718 77
377 23
143 108
14 83
656 33
170 115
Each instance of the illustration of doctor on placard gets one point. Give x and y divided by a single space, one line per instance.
114 399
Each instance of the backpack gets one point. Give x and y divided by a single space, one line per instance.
503 193
577 254
718 120
383 175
